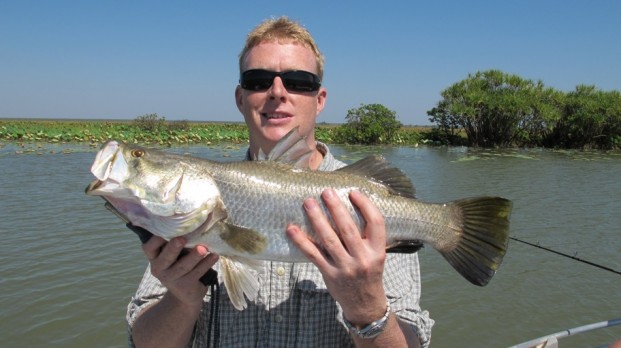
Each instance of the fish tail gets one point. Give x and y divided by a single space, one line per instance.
483 240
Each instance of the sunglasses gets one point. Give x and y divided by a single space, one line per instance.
294 81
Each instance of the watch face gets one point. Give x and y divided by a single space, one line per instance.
374 330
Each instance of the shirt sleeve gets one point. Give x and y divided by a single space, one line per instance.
403 290
149 292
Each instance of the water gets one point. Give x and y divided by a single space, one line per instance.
68 267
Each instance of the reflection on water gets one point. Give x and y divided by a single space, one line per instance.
69 267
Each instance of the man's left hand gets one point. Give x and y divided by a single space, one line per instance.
350 260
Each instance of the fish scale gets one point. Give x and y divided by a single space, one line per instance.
281 204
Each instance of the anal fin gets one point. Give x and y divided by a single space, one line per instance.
404 247
240 277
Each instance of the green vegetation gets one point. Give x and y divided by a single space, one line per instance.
148 129
153 129
487 109
369 124
495 109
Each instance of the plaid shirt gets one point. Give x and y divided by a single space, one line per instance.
293 307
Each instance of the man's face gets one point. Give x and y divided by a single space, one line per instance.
270 114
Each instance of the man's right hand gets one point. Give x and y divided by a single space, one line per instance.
180 272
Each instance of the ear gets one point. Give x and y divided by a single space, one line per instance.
238 98
322 94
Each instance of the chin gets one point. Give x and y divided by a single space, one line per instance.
278 127
276 133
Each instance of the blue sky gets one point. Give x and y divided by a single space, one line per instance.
122 59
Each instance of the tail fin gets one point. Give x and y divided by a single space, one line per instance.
484 238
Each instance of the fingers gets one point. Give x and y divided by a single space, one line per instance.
153 247
207 262
308 247
343 237
348 247
169 262
375 229
185 265
349 236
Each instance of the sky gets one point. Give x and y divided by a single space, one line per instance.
123 59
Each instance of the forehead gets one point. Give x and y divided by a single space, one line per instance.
280 56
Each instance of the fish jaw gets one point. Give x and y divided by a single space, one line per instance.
195 222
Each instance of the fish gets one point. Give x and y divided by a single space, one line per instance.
240 209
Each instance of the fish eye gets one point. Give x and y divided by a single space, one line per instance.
137 153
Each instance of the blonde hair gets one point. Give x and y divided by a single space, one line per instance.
281 29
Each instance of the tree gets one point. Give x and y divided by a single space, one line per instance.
448 124
497 109
369 124
150 122
590 118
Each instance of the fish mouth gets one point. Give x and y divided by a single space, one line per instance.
109 169
106 160
103 187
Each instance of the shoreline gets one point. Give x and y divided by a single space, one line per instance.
158 132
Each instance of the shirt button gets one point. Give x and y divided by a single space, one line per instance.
278 318
280 271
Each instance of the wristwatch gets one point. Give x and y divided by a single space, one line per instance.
372 330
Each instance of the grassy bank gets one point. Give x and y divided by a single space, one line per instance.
164 133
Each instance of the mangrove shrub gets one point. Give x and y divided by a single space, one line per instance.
150 122
495 109
590 118
369 124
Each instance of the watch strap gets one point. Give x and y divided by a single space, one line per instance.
372 330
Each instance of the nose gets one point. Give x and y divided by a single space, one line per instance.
278 90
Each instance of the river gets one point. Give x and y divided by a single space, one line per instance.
69 267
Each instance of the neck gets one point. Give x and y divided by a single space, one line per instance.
315 160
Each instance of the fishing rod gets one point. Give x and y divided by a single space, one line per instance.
550 339
566 255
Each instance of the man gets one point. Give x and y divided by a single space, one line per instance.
352 294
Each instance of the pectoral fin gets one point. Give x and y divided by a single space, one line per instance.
242 239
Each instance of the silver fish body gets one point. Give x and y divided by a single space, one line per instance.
240 209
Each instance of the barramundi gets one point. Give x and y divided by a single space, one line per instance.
240 209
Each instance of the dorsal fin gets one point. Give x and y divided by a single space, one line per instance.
291 149
379 170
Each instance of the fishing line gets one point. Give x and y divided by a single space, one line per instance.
566 255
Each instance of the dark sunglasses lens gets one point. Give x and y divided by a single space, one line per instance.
257 80
300 81
296 81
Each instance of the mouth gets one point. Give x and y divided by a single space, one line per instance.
274 116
